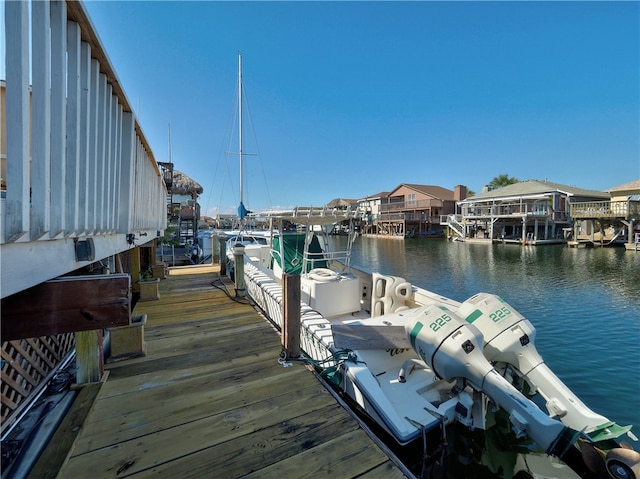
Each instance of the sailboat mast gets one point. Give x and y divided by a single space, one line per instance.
169 139
240 124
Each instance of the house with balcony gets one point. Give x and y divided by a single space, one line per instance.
369 209
528 212
412 210
612 221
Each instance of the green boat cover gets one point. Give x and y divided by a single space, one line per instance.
293 249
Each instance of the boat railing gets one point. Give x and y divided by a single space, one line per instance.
344 257
316 215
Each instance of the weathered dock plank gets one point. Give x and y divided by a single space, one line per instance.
347 455
211 400
55 454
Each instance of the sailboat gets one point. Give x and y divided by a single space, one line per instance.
243 235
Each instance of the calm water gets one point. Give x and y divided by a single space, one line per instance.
584 303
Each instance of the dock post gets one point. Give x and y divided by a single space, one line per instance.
238 265
291 314
222 241
214 248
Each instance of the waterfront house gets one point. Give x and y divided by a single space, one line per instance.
369 208
527 212
412 210
627 191
616 220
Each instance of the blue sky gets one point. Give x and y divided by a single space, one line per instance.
347 99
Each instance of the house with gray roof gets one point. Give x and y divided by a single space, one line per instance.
528 212
626 191
616 220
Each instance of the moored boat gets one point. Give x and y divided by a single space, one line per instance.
411 360
414 361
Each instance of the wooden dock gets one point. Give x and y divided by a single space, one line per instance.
210 399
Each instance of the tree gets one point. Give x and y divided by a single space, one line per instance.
502 180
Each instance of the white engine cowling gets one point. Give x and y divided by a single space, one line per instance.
510 338
453 349
450 347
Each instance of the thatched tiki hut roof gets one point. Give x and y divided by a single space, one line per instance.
340 203
183 185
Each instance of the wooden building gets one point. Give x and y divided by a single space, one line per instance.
528 212
602 223
369 208
412 210
82 198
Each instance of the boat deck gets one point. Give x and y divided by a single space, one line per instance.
209 399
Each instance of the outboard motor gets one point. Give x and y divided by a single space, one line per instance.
453 350
509 338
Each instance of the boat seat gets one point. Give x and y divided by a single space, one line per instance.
389 294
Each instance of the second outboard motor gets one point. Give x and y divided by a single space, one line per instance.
510 338
453 349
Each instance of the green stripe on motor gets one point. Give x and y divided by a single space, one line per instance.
473 316
414 333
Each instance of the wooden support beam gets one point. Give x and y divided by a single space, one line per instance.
89 356
135 266
291 314
67 304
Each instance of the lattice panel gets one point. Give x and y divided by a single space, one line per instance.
25 364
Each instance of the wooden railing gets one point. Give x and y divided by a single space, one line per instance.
605 209
382 217
514 209
78 167
410 205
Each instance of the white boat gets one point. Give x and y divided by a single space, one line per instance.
410 359
413 360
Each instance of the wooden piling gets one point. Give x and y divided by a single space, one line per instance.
291 314
222 241
238 265
214 248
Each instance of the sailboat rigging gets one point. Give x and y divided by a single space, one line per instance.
242 211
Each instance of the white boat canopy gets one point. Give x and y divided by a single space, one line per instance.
312 215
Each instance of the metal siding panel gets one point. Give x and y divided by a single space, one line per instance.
73 129
58 115
41 121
